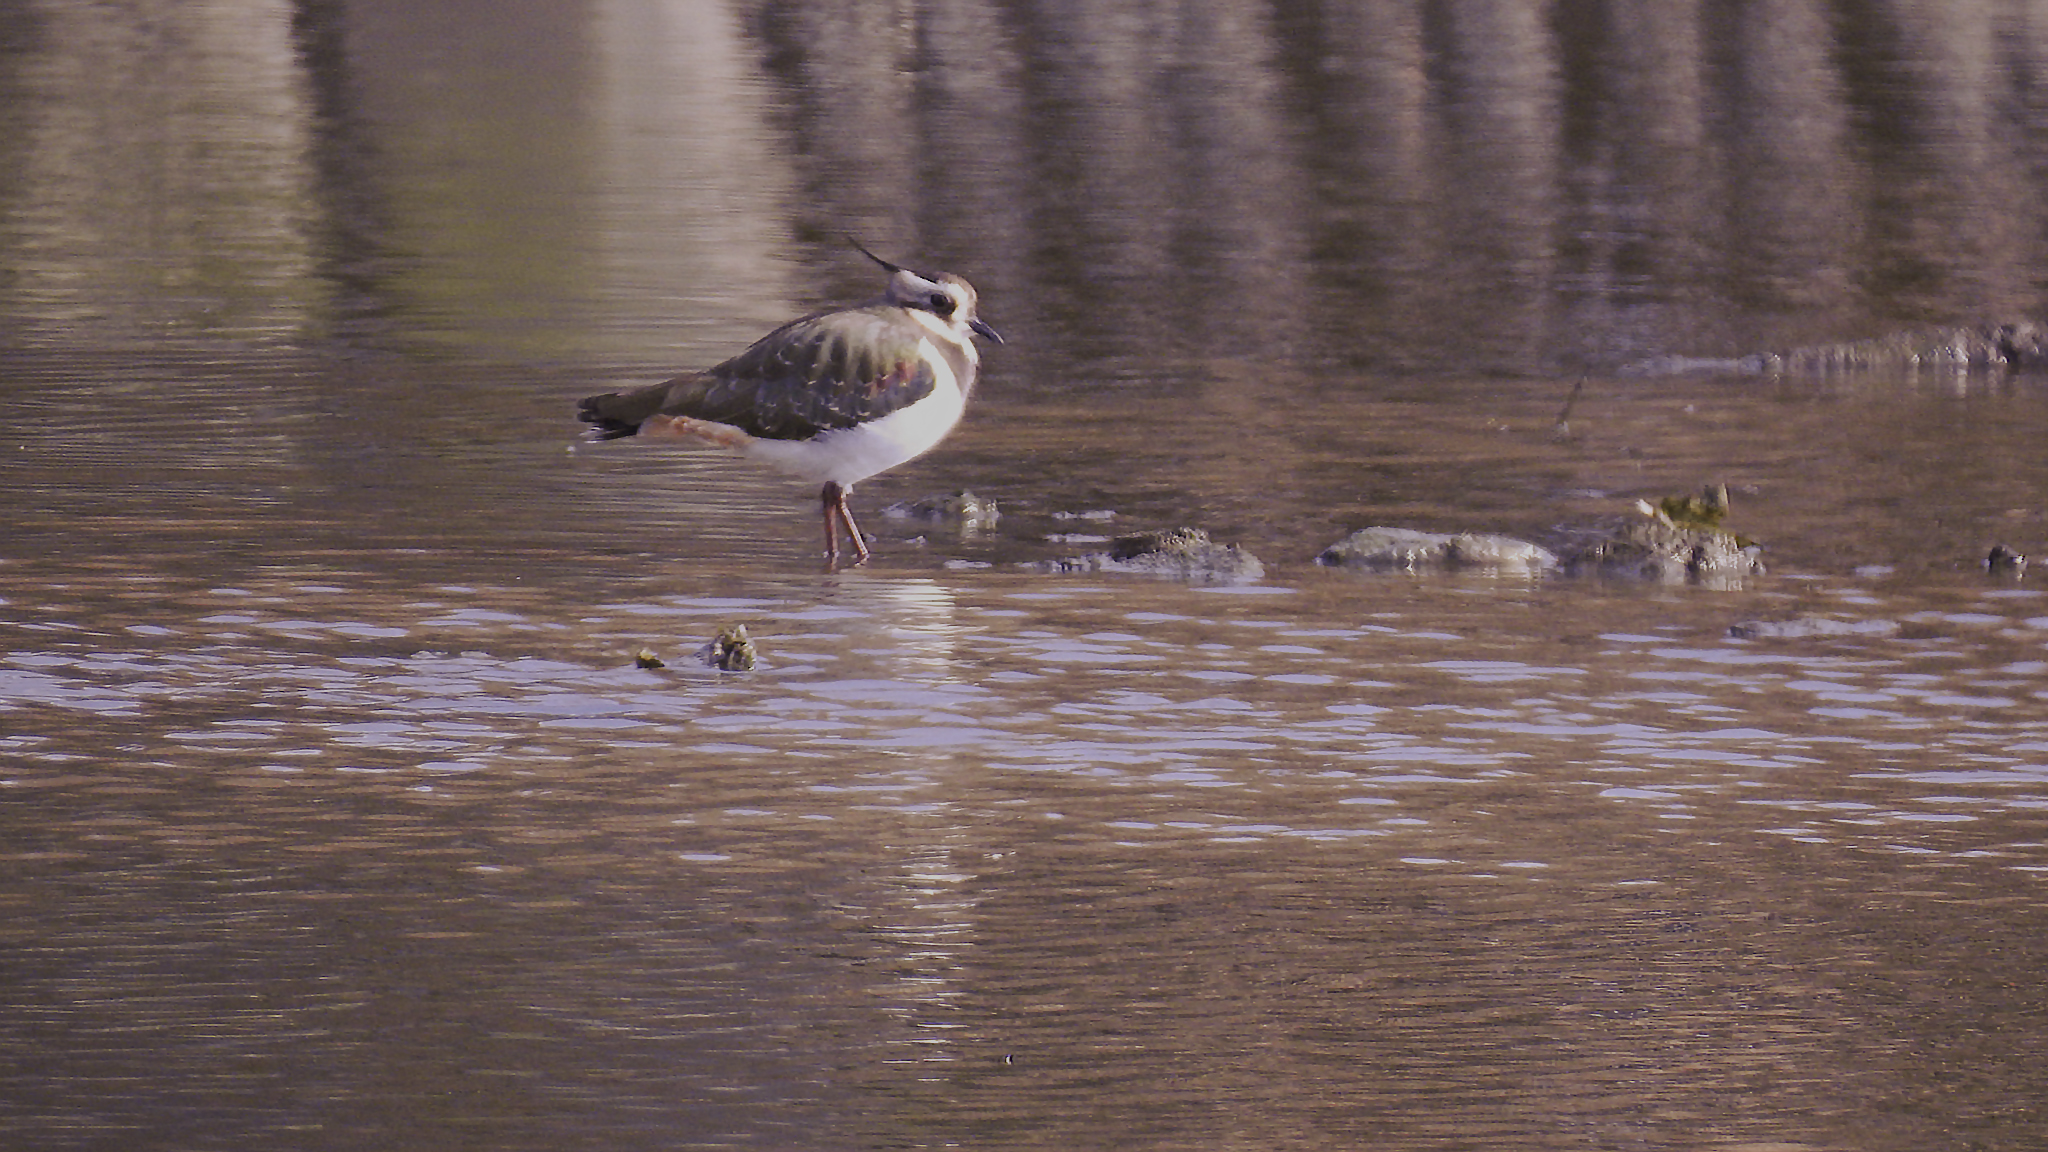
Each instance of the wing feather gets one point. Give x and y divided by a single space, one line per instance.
832 370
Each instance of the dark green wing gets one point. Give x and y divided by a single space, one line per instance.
824 371
831 370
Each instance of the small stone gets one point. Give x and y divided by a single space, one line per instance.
2004 559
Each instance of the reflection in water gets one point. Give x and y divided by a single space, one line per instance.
1791 183
160 180
1496 168
697 194
476 120
338 815
1471 185
349 230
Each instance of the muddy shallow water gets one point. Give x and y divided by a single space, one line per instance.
337 810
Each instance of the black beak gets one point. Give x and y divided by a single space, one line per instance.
982 329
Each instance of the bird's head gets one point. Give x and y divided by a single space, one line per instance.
942 294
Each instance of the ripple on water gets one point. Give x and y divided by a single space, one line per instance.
1073 689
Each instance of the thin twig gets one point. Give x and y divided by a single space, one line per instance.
1563 428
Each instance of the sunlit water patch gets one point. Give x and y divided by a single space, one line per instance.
970 693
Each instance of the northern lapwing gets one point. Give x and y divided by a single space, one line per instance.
834 397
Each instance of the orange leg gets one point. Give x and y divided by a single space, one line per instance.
832 501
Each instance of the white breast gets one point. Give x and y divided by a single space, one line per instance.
852 454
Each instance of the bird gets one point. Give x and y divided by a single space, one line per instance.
833 397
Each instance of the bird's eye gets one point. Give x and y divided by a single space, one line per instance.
940 303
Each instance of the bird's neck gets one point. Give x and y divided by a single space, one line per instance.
954 343
955 335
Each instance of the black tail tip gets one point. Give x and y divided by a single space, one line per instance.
607 427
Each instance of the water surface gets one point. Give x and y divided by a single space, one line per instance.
338 813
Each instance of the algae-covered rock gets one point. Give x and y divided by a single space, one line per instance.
1676 539
1705 510
1655 548
730 650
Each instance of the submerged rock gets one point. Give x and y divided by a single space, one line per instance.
1807 627
1180 553
1407 549
2014 347
1678 538
963 506
2022 345
730 650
